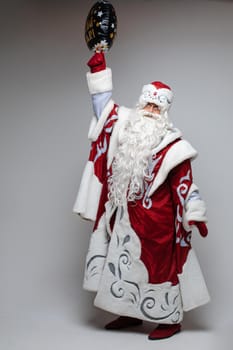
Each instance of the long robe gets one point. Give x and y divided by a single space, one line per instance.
140 261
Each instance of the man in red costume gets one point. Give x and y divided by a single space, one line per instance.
137 188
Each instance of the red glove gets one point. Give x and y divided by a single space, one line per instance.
202 228
97 62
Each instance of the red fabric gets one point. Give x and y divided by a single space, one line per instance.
160 85
201 226
157 227
97 62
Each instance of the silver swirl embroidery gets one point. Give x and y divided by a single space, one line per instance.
108 130
147 202
149 303
182 190
100 149
117 290
94 266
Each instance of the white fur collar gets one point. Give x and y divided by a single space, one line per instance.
178 153
171 136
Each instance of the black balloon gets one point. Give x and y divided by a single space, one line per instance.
101 26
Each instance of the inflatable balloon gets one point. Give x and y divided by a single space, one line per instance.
101 26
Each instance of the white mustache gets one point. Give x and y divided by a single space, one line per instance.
151 115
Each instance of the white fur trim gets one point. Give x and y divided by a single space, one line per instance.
97 126
179 152
192 284
80 202
123 116
92 127
100 81
195 209
171 136
87 201
96 256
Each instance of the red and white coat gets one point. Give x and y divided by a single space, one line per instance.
140 261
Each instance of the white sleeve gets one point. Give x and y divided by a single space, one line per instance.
100 88
99 101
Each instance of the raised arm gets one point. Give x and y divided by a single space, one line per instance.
99 81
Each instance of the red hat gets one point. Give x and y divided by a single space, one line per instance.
157 93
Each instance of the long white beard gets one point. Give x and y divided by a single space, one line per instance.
137 138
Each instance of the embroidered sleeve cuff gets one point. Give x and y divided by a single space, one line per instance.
195 208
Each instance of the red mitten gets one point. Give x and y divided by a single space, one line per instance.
202 228
97 62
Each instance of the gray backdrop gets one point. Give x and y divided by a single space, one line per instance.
45 114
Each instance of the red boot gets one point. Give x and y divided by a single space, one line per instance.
164 331
123 322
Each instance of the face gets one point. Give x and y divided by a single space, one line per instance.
152 108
